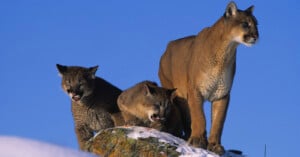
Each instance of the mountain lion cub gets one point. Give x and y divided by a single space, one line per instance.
146 104
94 101
202 67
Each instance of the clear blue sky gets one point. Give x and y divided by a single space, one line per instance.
126 40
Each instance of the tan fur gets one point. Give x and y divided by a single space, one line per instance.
94 101
146 104
202 68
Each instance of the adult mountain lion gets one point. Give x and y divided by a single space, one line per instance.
202 67
94 101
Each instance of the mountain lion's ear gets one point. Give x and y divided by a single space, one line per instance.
148 90
172 94
61 69
231 10
250 9
93 70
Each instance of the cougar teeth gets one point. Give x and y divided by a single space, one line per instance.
76 97
156 117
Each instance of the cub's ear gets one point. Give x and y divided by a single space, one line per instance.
172 93
148 90
250 9
61 69
231 10
92 71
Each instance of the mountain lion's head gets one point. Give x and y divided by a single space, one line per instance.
243 24
77 82
156 102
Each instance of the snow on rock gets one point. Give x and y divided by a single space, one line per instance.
20 147
182 146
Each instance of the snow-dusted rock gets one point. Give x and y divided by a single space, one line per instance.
141 141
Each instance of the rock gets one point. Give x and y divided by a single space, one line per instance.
114 142
146 142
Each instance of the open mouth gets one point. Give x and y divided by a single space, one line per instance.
156 118
76 97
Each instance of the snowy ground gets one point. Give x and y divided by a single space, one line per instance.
21 147
182 146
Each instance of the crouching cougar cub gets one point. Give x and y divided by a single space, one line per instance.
146 104
94 101
202 67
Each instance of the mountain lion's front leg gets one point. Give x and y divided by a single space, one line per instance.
219 110
198 123
83 134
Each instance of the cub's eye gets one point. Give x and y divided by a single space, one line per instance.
157 105
68 82
245 24
80 81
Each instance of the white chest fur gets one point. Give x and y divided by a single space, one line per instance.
216 84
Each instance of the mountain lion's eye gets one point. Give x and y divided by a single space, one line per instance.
68 82
80 82
157 105
245 25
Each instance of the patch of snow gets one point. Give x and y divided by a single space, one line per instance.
182 146
20 147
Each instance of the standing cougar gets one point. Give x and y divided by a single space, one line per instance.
94 101
202 67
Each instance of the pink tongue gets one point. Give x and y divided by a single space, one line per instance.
155 118
76 97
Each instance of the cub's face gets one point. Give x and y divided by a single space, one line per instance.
77 82
157 103
243 24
